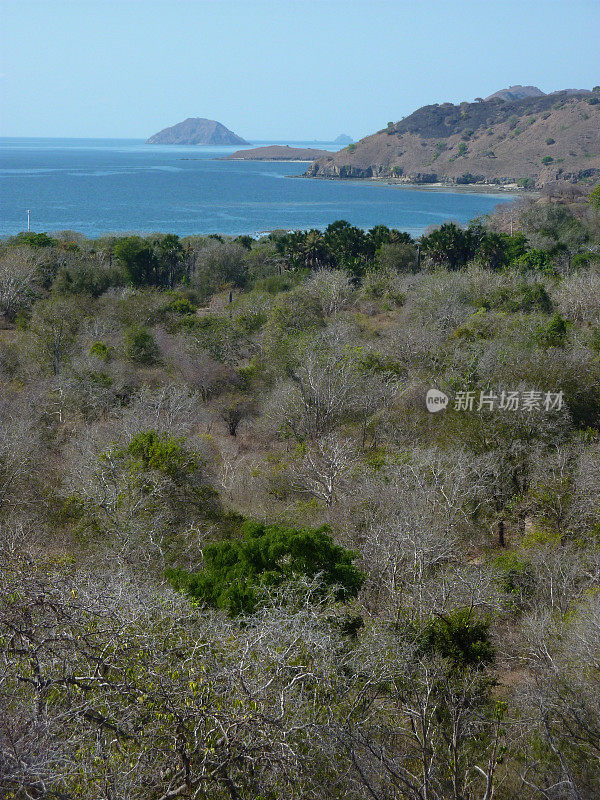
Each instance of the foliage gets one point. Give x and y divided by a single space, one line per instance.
462 637
31 239
151 450
296 397
534 261
140 346
450 245
237 572
553 333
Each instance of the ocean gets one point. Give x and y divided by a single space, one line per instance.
99 186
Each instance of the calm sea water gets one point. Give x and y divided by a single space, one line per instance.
108 185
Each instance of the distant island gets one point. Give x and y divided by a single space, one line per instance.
196 130
518 136
278 152
343 138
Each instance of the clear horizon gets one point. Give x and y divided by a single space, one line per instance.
276 71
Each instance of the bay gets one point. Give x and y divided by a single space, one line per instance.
99 186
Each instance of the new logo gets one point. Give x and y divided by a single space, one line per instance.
436 400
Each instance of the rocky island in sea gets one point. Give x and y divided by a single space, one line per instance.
196 130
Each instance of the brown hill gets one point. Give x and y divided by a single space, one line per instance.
278 152
531 141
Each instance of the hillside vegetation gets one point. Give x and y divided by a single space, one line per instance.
241 560
529 141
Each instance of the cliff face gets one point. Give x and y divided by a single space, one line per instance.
533 141
196 130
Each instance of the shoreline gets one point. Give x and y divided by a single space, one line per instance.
473 188
271 161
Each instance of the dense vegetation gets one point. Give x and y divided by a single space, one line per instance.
241 560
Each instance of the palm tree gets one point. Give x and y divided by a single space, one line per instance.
313 249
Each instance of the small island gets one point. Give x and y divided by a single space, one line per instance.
196 130
278 152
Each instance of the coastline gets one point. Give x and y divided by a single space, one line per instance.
438 186
271 161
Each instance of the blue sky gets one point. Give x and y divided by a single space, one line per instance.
267 69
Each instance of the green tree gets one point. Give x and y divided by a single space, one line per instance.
151 450
535 260
460 636
137 258
398 257
31 239
54 326
168 260
348 246
450 245
237 572
313 250
554 333
140 346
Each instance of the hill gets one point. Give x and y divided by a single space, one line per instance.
517 93
532 141
277 152
343 138
196 130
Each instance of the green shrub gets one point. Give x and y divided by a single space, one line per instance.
533 297
554 333
102 351
460 636
534 260
140 346
514 573
236 573
151 450
31 239
181 305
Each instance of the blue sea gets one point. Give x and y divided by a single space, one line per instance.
98 186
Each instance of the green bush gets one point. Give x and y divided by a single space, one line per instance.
31 239
534 260
102 350
237 572
554 333
460 636
163 453
140 346
181 305
532 297
514 574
